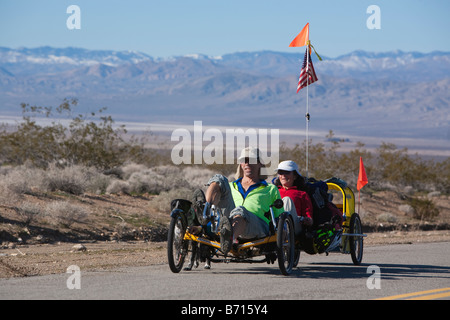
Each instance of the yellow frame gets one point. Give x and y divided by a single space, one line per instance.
348 209
215 244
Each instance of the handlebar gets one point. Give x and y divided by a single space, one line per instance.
277 204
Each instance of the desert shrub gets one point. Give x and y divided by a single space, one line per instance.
197 177
94 141
128 169
138 179
24 180
98 182
71 179
118 186
156 180
28 212
424 209
325 160
76 179
90 140
65 213
163 200
387 217
147 181
442 173
397 167
389 167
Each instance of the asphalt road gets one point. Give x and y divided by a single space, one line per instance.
402 269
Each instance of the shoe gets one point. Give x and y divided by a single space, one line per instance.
195 229
225 234
198 205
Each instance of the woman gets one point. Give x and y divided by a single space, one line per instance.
291 186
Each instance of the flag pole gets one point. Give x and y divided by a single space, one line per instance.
302 39
307 122
307 112
359 200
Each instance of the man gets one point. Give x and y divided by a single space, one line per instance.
243 202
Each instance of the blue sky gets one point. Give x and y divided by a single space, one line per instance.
170 28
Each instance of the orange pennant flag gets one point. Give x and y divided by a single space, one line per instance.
302 38
362 178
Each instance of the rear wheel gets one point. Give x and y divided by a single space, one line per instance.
285 244
356 243
177 247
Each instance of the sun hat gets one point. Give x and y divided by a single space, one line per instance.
288 165
251 153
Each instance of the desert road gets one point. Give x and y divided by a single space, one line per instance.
419 270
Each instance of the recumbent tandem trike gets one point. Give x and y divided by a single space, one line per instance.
284 243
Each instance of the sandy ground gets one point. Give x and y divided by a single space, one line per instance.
124 230
42 259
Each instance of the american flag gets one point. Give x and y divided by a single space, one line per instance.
307 72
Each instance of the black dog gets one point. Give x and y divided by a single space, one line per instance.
196 257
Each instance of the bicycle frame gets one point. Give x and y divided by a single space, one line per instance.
214 217
242 246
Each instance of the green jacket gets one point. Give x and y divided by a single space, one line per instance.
258 199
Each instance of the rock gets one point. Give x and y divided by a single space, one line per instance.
433 194
409 190
79 247
407 209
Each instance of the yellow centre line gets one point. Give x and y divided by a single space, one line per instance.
421 295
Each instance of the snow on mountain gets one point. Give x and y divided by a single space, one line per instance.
48 55
390 93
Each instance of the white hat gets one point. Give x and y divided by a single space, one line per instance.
251 153
288 165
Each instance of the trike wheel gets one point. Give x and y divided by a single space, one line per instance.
356 243
177 247
285 244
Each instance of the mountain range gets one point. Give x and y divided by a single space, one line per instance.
390 94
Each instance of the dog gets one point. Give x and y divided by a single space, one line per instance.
196 257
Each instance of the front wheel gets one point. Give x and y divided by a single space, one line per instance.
177 247
356 242
285 244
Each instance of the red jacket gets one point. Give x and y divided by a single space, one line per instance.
301 200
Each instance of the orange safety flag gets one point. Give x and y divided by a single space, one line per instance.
302 39
362 178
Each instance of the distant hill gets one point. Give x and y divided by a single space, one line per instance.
391 94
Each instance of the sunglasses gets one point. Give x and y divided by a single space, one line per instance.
284 172
250 160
